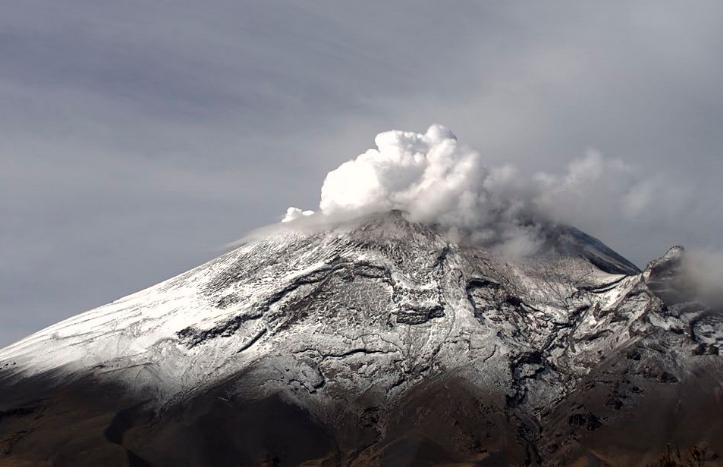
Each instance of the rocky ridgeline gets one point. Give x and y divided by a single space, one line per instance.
379 342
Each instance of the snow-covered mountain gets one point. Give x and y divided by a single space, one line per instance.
377 341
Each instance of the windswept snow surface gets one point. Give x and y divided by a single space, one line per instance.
353 321
229 312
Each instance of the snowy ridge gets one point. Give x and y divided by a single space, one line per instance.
366 312
189 326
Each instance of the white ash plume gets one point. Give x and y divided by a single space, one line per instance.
434 178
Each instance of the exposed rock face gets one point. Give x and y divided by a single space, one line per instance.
377 342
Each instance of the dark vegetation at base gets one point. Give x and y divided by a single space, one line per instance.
693 457
124 420
93 423
441 422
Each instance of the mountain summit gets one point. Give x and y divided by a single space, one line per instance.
377 341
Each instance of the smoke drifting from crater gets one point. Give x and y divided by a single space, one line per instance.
435 178
704 268
431 176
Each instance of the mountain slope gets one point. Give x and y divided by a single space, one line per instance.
376 341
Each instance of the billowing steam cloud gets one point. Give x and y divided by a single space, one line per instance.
431 176
435 178
293 213
705 268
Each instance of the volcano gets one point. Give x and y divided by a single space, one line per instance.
378 341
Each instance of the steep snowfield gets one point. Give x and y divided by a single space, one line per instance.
356 321
186 328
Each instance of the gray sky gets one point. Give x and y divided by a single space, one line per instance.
140 137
